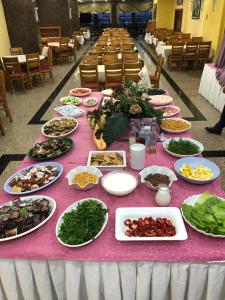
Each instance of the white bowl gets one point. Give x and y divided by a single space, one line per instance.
89 169
107 92
165 144
69 209
156 170
58 136
177 131
116 183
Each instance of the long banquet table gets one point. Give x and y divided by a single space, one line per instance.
36 266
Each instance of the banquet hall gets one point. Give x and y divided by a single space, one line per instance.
112 149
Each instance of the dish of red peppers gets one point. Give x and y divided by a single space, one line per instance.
149 227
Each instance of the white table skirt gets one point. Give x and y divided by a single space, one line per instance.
101 75
210 89
70 280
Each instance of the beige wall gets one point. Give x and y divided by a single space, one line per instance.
4 37
165 14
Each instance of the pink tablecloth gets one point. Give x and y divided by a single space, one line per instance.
42 244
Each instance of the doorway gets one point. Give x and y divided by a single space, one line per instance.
178 20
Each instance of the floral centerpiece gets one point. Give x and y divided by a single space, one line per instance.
110 121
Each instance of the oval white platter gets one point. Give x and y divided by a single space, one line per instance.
177 131
165 108
191 201
89 105
69 209
59 136
201 147
52 203
77 94
63 100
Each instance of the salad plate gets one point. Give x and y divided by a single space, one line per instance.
201 165
192 145
172 214
69 110
93 208
70 100
205 214
90 102
50 149
80 92
25 215
33 178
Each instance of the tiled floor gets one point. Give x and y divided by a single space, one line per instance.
20 136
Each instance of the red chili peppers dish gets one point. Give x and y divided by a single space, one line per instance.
149 227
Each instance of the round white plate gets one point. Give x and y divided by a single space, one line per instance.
116 183
88 105
168 107
160 100
59 136
69 209
63 100
52 203
177 131
191 201
201 147
77 94
107 92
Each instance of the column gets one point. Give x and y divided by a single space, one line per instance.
75 15
21 24
114 13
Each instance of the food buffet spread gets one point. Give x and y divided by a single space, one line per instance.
91 203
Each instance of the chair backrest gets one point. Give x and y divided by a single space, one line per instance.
16 51
159 66
2 86
186 35
197 39
110 58
63 43
11 65
90 59
191 49
129 57
177 49
129 46
53 39
88 73
33 62
114 72
44 41
131 71
204 50
49 58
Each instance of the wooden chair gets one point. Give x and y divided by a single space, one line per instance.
156 77
44 41
90 59
13 72
89 76
110 58
127 46
190 54
64 51
131 71
113 75
33 67
16 51
3 100
129 57
99 54
197 39
46 66
186 36
176 55
203 53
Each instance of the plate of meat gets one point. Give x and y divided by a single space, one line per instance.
149 224
169 110
33 178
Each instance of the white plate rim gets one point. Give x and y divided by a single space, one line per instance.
122 193
153 100
177 131
53 203
146 239
68 209
183 155
85 100
195 198
56 164
57 136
